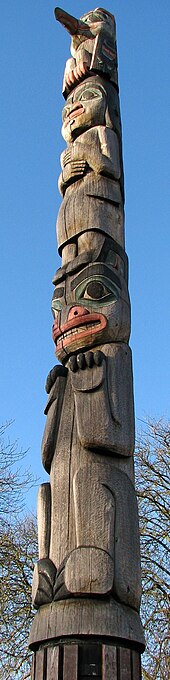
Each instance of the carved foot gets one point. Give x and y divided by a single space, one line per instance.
43 582
87 571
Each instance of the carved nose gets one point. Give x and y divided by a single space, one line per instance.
77 311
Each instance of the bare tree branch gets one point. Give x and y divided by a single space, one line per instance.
152 483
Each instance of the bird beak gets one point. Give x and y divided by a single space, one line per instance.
73 25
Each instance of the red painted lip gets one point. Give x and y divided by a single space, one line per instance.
99 320
74 113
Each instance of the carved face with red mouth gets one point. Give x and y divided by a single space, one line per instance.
85 107
90 307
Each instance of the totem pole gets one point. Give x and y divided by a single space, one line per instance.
87 583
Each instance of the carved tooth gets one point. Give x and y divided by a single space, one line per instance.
78 329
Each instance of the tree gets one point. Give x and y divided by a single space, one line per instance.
18 553
13 483
153 486
17 558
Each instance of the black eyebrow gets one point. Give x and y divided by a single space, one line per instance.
97 268
89 257
72 267
58 292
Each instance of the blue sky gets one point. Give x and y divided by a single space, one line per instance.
34 48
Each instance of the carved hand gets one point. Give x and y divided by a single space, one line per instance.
74 168
87 360
52 376
88 371
90 155
75 152
76 68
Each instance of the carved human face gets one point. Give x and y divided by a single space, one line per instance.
85 107
90 307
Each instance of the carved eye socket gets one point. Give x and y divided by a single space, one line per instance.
95 290
94 17
56 307
88 19
65 112
98 290
89 94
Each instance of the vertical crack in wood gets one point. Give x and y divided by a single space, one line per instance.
118 663
45 664
60 665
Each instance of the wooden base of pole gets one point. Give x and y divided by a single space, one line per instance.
81 639
85 660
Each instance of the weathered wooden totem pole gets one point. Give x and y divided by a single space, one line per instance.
87 583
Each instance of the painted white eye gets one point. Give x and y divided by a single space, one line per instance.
56 307
95 290
89 94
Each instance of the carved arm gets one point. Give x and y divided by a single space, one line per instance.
98 150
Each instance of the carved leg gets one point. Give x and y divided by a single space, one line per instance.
90 240
44 571
94 509
44 519
107 535
68 253
89 570
90 567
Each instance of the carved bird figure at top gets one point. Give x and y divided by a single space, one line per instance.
93 46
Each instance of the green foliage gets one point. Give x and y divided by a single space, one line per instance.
17 557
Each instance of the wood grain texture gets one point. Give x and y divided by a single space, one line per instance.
109 663
53 409
95 203
85 660
136 665
40 665
52 663
89 570
69 253
43 582
106 420
70 664
124 656
86 617
96 149
44 519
